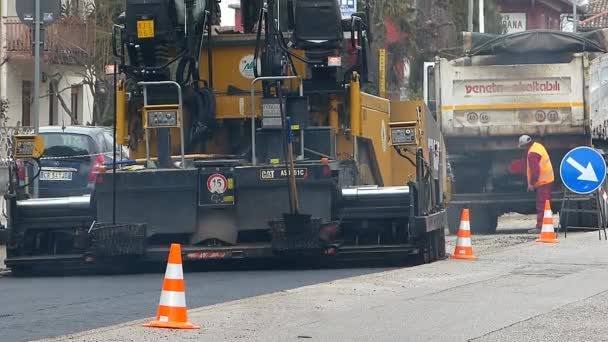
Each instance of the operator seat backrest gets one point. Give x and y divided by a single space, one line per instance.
317 24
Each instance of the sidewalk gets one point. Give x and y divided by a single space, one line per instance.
450 300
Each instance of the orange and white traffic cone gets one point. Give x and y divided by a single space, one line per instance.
547 233
172 311
464 248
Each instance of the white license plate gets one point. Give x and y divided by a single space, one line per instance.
56 175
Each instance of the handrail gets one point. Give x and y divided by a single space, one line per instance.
181 113
265 78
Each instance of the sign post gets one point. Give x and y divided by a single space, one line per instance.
37 81
37 69
583 172
36 15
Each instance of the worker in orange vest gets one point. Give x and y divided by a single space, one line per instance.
539 174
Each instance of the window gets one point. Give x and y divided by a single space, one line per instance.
26 103
66 145
75 107
53 119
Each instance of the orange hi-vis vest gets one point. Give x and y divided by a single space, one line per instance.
545 175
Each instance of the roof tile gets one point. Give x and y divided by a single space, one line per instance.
595 7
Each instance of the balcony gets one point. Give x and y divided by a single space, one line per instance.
69 41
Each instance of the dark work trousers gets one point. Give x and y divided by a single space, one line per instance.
543 193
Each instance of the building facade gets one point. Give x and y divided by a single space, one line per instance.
596 15
68 43
521 15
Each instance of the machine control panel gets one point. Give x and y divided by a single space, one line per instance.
28 146
403 133
271 113
155 117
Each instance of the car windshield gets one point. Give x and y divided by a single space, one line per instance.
66 145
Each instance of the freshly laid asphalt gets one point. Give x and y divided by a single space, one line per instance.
33 308
527 292
46 307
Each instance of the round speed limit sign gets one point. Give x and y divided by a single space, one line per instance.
217 183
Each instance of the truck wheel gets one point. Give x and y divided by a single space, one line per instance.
587 219
454 213
581 219
483 220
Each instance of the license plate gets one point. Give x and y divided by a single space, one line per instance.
206 255
56 175
145 29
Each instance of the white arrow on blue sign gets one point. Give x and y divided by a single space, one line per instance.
583 170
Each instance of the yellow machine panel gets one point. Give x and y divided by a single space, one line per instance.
233 73
404 113
28 146
402 169
237 106
163 116
375 116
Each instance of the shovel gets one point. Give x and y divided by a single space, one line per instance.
294 221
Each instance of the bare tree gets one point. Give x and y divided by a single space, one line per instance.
91 54
415 31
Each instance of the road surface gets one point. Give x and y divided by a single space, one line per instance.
527 292
54 306
33 308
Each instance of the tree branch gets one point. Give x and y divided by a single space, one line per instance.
55 79
57 93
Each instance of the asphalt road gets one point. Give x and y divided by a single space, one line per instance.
34 308
526 292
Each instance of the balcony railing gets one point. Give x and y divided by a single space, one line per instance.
67 41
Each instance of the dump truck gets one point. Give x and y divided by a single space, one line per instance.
532 82
247 145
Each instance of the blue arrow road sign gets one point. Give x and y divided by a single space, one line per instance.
583 170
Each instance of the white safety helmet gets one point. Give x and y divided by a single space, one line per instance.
524 140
